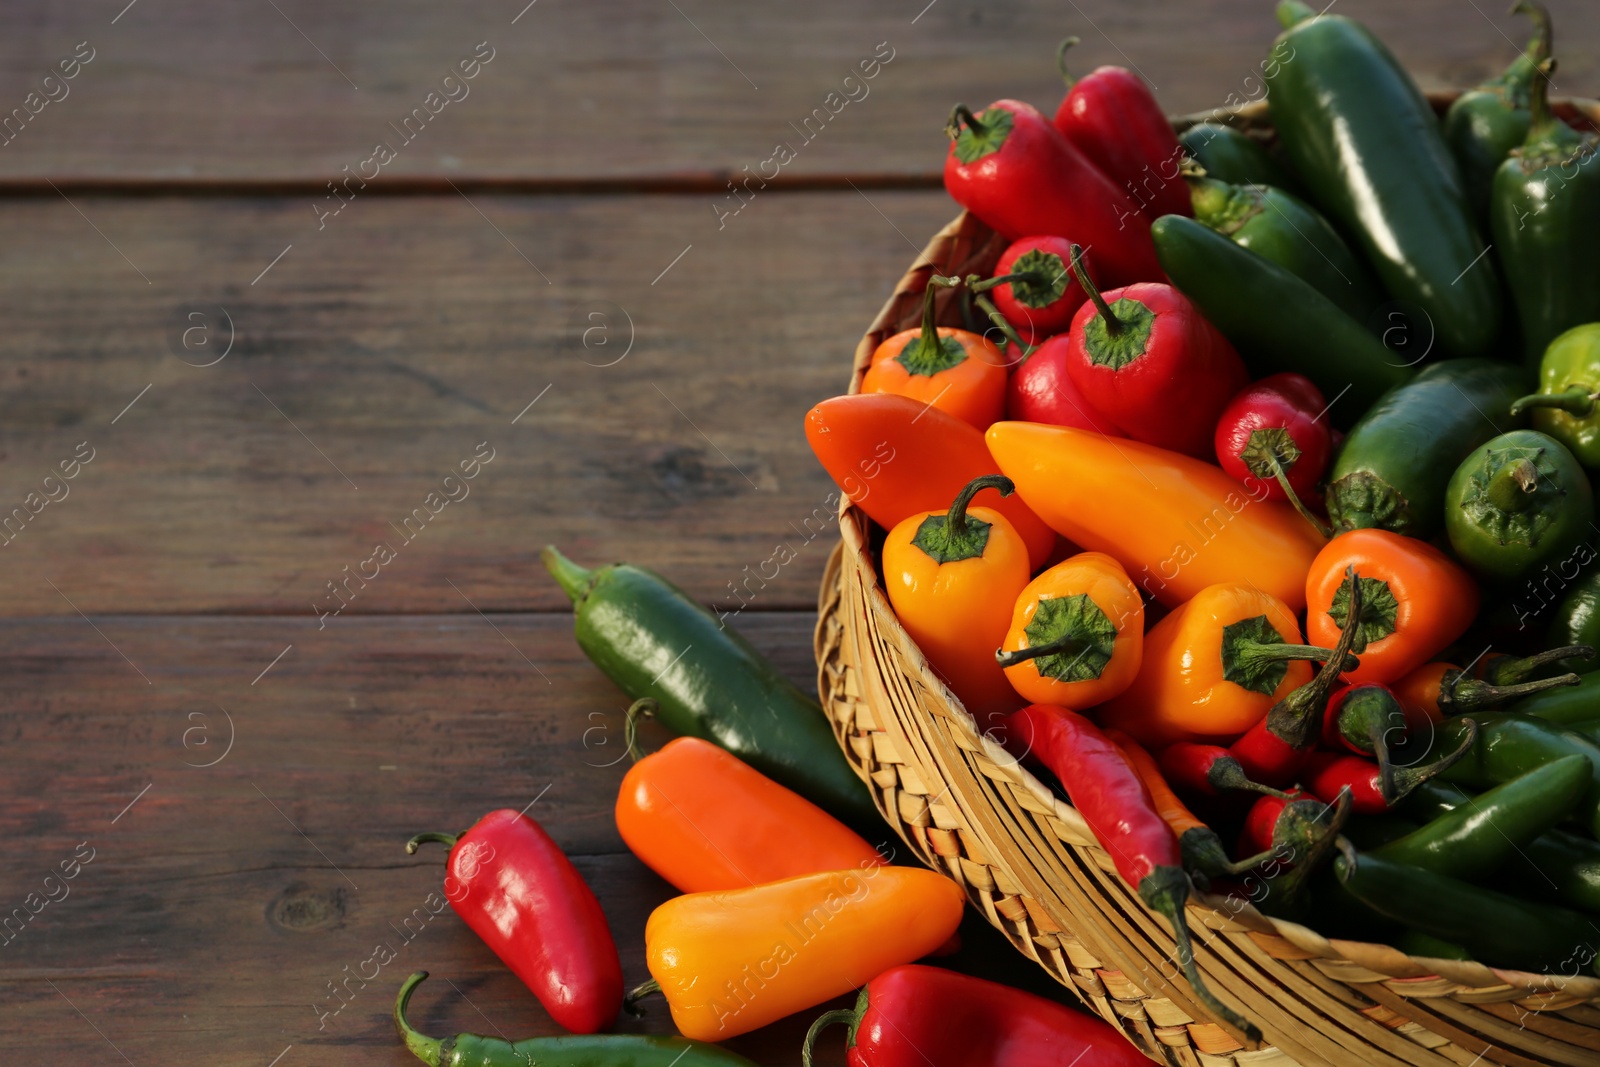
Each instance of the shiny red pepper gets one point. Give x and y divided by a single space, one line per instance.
1041 391
1043 294
1274 431
1300 830
1205 770
1108 793
1111 116
1153 364
916 1016
1012 169
1373 793
518 891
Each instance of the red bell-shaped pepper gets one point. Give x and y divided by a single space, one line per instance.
1040 390
1153 364
1042 294
1111 116
518 891
1275 432
1012 169
916 1016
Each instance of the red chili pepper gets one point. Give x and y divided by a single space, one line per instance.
1273 432
518 891
1111 116
1326 773
1300 831
1153 364
1041 294
1206 770
1107 791
1369 720
1040 390
1015 171
916 1016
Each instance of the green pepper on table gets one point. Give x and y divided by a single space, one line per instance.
1518 502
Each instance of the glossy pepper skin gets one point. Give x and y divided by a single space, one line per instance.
731 962
1485 123
1273 433
952 577
894 457
1415 601
472 1050
1280 322
1546 203
1205 770
703 820
1577 617
1229 155
1367 144
1372 791
1108 793
1439 690
636 627
1291 233
520 894
1509 746
1012 169
917 1016
1042 295
1111 116
1518 502
1212 668
1176 524
1076 636
1564 706
1041 390
956 371
1153 364
1569 385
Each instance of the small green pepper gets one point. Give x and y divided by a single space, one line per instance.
600 1050
1230 155
1577 617
1569 386
1509 746
1518 502
1543 214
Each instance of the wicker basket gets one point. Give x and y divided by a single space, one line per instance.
1029 863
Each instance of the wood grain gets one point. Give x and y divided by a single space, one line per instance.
191 92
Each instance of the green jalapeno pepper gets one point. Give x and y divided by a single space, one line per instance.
1510 746
1230 155
1569 387
1543 214
1396 463
1518 502
1485 123
1496 928
1367 144
601 1050
1291 233
1564 706
1577 617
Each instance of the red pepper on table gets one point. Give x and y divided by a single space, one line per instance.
1153 364
1012 169
1040 390
1041 294
1206 770
518 891
1111 116
1274 432
1108 793
918 1016
1373 792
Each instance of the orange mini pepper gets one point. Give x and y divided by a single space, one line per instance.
1176 524
956 371
1077 634
732 961
952 578
704 819
1440 690
1414 601
1213 668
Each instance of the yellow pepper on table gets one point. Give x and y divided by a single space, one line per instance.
1077 634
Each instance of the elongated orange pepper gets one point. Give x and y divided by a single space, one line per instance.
1414 602
1176 524
704 819
1077 633
953 370
952 578
1213 668
732 961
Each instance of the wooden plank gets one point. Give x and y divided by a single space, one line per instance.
374 357
192 91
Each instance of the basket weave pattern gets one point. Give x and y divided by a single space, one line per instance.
1029 863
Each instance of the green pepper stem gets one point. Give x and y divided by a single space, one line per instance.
573 579
630 1003
930 332
1511 487
1005 327
1227 774
1539 46
447 840
1203 851
1319 833
1068 644
1061 59
1114 325
1378 737
1406 779
1510 671
1575 400
956 519
1296 720
979 284
1469 694
1543 118
1293 12
427 1049
1299 505
1253 653
643 708
959 114
848 1016
1165 891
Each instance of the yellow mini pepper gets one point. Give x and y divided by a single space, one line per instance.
1077 634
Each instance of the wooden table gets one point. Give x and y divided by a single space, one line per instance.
259 364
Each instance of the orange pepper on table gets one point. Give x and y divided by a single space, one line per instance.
1077 633
956 371
732 961
893 457
1415 601
952 578
703 819
1213 668
1176 524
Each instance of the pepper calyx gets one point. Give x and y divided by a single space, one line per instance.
1377 611
930 353
955 536
1130 341
976 136
1070 639
1515 494
1039 278
1223 207
1269 449
1254 654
